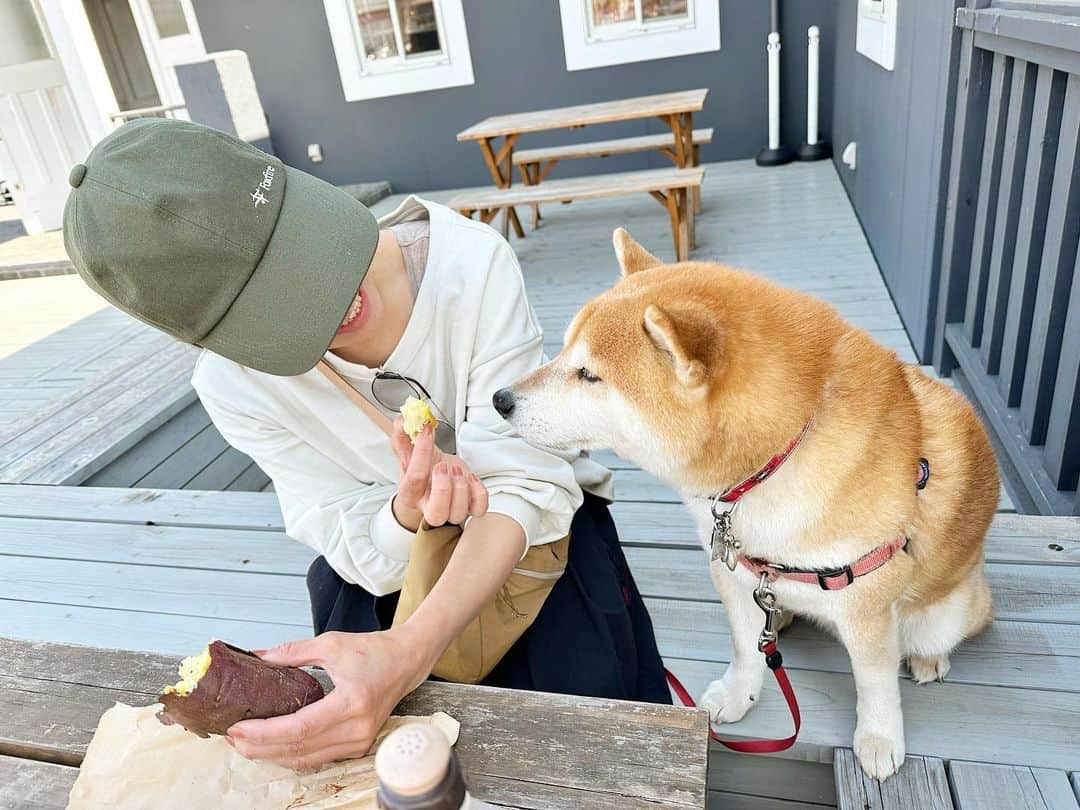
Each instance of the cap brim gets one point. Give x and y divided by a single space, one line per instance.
284 319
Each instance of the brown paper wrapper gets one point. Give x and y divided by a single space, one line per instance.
136 763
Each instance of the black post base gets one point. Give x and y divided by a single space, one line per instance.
774 157
817 151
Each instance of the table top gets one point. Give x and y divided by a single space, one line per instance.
519 749
582 114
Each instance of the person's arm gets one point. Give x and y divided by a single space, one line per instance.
373 671
324 506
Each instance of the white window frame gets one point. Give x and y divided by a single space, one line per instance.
875 31
588 47
366 79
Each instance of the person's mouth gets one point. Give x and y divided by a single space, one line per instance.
353 318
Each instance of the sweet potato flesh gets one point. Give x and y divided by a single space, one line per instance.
416 414
190 670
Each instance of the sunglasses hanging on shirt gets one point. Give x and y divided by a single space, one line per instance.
391 389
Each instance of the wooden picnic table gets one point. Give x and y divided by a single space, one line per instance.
674 109
519 749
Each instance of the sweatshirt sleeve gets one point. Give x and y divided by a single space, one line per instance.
535 487
346 520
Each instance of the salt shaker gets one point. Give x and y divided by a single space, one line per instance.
418 770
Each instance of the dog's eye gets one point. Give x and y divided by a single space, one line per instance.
586 375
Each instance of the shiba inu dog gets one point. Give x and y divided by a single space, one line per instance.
871 526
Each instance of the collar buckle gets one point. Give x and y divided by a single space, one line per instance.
831 573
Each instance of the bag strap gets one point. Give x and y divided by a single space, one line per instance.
381 420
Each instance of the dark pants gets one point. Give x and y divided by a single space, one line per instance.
593 636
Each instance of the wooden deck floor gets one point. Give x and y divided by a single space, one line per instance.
166 571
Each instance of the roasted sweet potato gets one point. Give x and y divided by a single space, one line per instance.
224 685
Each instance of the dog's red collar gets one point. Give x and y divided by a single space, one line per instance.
733 494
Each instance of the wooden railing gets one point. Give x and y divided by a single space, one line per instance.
1008 308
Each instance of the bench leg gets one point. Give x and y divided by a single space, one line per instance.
691 219
696 191
530 175
672 203
678 212
501 166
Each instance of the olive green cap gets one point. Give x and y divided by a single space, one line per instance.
218 243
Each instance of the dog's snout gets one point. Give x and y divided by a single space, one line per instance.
503 400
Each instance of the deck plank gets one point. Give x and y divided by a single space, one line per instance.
29 785
1012 538
981 786
920 784
1021 592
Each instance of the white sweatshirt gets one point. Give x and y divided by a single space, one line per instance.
471 333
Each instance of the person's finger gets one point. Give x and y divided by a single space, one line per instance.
459 496
478 496
310 722
349 750
303 652
437 505
416 479
344 734
400 443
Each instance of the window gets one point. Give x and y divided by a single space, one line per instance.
169 18
24 41
392 47
612 32
875 31
612 19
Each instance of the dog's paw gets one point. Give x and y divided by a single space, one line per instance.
880 756
727 701
926 669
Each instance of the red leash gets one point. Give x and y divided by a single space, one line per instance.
776 664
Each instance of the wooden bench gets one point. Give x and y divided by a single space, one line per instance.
138 422
535 164
670 187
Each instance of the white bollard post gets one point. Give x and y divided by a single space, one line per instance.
813 149
812 47
773 49
774 154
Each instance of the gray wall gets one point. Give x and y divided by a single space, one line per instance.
897 120
519 65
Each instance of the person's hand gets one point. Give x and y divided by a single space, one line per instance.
371 673
436 486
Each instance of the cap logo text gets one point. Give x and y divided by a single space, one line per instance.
257 196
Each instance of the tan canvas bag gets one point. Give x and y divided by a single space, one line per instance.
488 637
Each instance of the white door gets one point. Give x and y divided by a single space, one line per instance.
39 123
171 36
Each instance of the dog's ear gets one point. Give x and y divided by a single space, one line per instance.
632 256
665 334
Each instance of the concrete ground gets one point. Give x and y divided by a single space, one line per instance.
18 249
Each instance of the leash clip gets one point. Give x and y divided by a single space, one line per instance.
723 545
765 597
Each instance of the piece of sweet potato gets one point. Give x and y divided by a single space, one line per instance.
236 685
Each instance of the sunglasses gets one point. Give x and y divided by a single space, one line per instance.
391 389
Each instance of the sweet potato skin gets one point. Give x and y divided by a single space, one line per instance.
238 686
